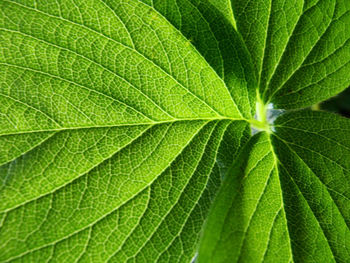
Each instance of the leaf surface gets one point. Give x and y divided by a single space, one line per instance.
300 49
121 120
286 198
215 38
247 222
115 133
315 167
86 75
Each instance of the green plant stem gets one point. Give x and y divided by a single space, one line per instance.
260 122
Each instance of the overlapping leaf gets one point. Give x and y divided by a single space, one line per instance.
215 38
300 48
118 120
287 198
248 222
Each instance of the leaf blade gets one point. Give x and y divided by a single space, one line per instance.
299 48
218 42
95 89
78 194
312 156
325 174
236 229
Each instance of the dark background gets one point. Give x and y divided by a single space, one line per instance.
339 104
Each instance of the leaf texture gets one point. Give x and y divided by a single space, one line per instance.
300 49
215 38
315 165
115 133
98 78
160 186
286 198
247 222
120 121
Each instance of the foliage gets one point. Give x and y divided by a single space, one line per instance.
123 121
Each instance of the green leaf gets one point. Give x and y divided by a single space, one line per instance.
116 201
315 167
120 121
225 7
106 77
286 198
114 132
218 42
300 49
126 206
247 221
